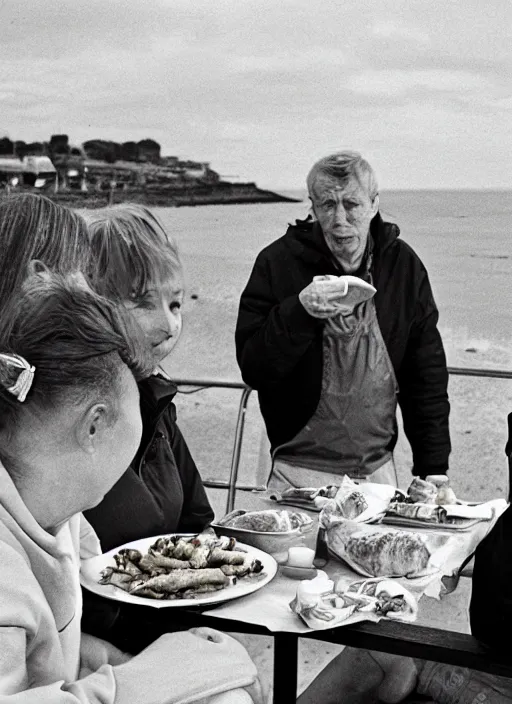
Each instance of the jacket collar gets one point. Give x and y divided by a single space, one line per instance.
157 391
307 241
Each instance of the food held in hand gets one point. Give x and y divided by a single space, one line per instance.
345 291
268 521
178 567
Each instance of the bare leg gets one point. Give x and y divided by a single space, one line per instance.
400 677
362 677
353 677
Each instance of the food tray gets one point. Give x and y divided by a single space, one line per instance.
455 524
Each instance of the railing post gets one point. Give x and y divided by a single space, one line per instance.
237 449
246 391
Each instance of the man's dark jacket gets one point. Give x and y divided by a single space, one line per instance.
160 493
279 345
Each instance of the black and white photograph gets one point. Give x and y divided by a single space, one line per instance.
255 352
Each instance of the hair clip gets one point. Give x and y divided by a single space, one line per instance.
25 378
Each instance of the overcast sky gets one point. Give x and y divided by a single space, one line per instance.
262 88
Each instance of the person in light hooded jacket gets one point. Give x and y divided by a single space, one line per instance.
69 426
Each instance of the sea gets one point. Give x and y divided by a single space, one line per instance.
465 240
463 237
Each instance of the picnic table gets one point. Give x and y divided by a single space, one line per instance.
422 639
418 640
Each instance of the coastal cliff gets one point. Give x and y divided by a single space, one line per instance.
100 172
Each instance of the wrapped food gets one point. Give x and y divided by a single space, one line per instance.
435 489
445 494
390 598
322 605
388 553
267 521
373 550
422 492
420 512
350 500
309 497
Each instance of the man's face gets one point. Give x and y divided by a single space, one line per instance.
344 211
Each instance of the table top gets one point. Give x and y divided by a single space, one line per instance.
440 633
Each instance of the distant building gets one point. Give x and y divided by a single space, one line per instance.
170 161
38 171
11 170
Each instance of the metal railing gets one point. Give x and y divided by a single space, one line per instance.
231 485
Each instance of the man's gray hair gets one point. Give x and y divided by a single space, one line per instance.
343 166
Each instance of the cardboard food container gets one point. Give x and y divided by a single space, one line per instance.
276 544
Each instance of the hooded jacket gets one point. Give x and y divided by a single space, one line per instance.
280 346
40 640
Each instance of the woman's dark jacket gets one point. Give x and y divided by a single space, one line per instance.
279 345
161 492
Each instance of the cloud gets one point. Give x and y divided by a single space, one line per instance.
257 87
395 82
388 29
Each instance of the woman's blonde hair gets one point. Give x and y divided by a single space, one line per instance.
129 251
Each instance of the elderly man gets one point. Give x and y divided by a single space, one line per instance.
331 365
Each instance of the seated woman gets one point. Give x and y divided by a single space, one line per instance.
69 426
136 265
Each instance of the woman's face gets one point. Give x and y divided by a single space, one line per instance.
158 312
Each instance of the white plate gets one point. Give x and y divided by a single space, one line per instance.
90 574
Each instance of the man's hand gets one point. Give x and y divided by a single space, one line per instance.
321 298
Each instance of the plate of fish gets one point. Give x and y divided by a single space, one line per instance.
178 570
